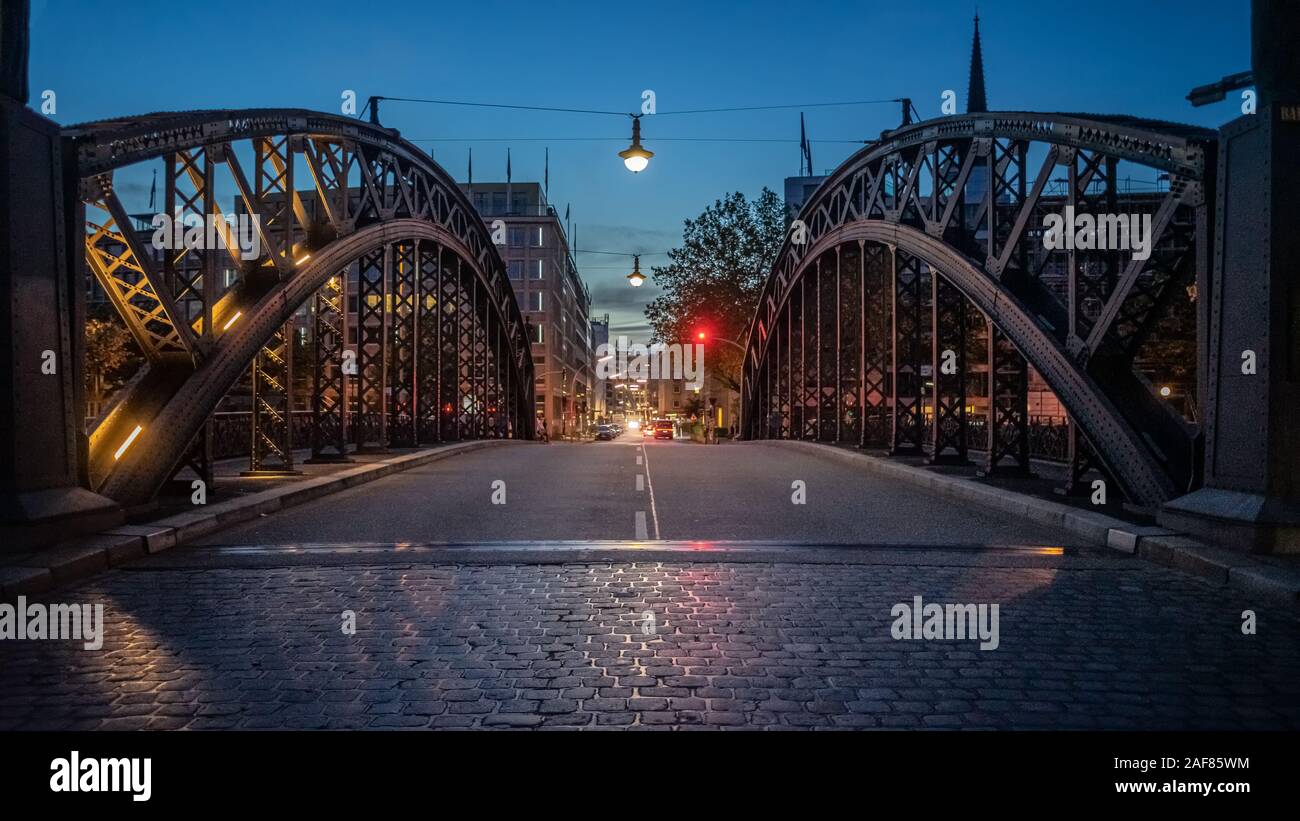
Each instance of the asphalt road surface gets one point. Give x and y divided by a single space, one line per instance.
640 489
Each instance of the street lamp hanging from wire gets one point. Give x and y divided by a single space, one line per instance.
636 157
636 277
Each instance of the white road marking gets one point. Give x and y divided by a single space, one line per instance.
640 526
654 514
638 458
640 481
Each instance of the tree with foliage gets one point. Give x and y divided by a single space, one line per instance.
1168 356
713 281
694 407
109 350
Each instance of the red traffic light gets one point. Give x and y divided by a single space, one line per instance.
701 336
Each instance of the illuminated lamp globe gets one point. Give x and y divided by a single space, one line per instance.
636 278
636 157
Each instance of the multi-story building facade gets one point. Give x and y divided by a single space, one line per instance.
721 402
670 398
799 190
601 387
552 297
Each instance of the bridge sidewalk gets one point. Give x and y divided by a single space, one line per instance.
235 499
1276 578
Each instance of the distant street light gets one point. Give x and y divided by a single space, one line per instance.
636 277
635 156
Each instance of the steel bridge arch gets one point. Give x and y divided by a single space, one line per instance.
376 193
1093 410
908 192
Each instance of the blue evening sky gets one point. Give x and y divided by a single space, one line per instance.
1107 56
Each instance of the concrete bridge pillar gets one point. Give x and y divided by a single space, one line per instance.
1251 497
42 451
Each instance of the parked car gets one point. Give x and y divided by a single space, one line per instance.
663 429
605 433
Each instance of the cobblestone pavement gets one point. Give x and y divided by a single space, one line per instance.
774 645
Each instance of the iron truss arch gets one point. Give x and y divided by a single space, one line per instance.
918 276
432 346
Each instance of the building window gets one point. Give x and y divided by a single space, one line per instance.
539 269
516 268
516 237
538 335
498 202
480 201
537 240
535 301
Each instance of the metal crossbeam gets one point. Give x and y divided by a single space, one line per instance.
1008 390
370 420
125 270
329 428
429 353
403 345
948 430
272 416
911 349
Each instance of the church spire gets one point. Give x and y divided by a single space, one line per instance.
975 100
